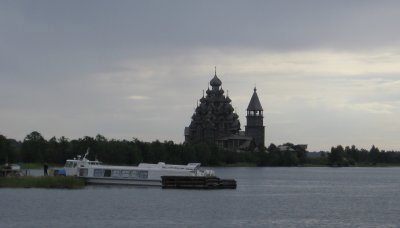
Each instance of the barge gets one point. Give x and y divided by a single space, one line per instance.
188 182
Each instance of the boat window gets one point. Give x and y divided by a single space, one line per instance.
143 174
98 173
68 164
107 173
83 172
125 173
134 174
115 173
139 174
74 164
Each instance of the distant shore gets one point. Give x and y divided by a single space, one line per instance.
62 182
240 164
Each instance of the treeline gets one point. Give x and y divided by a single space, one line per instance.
351 156
36 149
292 155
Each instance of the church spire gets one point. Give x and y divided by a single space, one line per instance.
254 104
255 127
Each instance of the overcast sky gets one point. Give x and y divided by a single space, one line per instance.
327 72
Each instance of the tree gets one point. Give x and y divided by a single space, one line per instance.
336 157
33 148
134 154
7 152
301 153
203 153
64 149
353 154
188 154
51 153
289 158
274 155
374 155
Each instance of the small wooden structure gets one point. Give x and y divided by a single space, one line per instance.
10 170
193 182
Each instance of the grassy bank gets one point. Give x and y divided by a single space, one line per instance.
39 165
42 182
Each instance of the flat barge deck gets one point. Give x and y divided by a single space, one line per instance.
193 182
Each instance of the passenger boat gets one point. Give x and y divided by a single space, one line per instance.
143 174
72 166
94 172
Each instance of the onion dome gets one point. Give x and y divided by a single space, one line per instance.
215 82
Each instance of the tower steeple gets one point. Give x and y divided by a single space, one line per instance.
255 126
255 107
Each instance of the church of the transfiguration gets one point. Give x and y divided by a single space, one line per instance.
215 121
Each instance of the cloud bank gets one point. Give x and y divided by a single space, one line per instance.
326 72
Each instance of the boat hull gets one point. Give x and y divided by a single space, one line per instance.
120 181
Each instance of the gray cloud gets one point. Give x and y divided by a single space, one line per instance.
326 70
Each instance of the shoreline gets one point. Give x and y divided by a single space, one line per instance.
55 182
38 166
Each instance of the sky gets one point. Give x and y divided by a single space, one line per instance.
327 72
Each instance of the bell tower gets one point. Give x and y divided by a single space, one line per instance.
255 127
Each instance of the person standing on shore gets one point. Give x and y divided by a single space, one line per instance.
45 167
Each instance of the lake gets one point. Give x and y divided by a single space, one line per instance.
265 197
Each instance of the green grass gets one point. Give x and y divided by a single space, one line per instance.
38 165
42 182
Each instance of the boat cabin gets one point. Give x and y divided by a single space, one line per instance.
71 166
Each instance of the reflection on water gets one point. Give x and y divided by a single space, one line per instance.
265 197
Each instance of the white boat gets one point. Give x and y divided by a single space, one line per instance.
72 165
10 170
143 174
95 172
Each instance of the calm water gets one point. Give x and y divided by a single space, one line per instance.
265 197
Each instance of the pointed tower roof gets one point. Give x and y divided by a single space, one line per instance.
254 104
